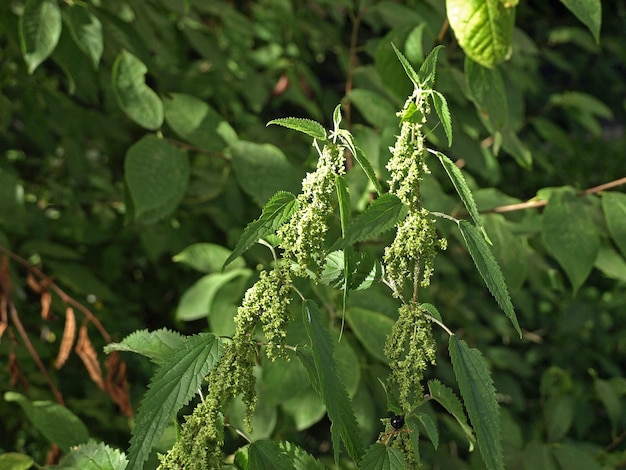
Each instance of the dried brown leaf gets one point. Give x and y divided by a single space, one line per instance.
116 384
46 300
32 282
69 333
88 355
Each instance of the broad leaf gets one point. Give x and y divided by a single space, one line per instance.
137 100
441 107
489 270
93 456
157 175
589 12
301 459
276 212
175 383
207 257
157 345
484 29
365 164
86 31
307 126
570 236
371 328
614 208
40 29
382 457
382 215
575 458
460 185
488 93
323 373
58 424
479 396
267 455
432 311
430 426
446 398
363 270
375 108
16 461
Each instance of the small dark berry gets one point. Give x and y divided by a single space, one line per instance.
397 421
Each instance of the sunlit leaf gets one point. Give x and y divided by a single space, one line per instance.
40 29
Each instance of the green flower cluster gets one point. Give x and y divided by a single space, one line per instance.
303 236
410 349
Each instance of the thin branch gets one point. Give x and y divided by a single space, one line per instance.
443 31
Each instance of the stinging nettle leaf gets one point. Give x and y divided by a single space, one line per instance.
175 383
408 68
382 457
367 167
39 29
489 269
479 396
428 69
380 216
276 212
267 455
446 398
307 126
441 107
93 456
157 345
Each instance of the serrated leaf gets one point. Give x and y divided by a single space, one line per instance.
323 373
306 126
368 169
157 176
207 257
16 461
614 209
489 270
267 455
408 68
93 456
157 345
441 107
589 12
276 212
372 329
86 31
460 185
570 236
364 270
302 460
428 69
430 427
483 28
58 424
432 310
343 196
382 457
175 383
479 395
446 398
337 117
137 100
382 215
40 29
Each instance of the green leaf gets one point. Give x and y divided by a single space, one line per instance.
263 169
514 146
589 12
57 423
93 456
408 68
371 328
446 398
460 185
15 461
382 215
610 400
276 212
176 381
509 250
428 69
484 29
559 415
375 108
157 345
441 107
432 310
12 210
431 428
479 396
343 196
337 118
324 376
301 459
363 270
195 121
197 301
614 208
137 100
487 91
574 458
365 164
267 455
40 29
306 126
489 270
570 236
538 455
86 31
207 257
157 175
382 457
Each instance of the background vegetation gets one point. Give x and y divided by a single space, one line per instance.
87 196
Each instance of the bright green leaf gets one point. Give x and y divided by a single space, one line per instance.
207 257
364 270
428 69
86 31
365 164
57 423
343 196
301 459
382 457
176 381
267 455
382 215
306 126
93 456
158 345
570 236
614 208
371 328
441 107
15 461
408 68
137 100
432 311
40 29
489 270
484 29
276 212
479 395
157 175
589 12
446 398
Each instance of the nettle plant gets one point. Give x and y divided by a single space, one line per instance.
309 253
